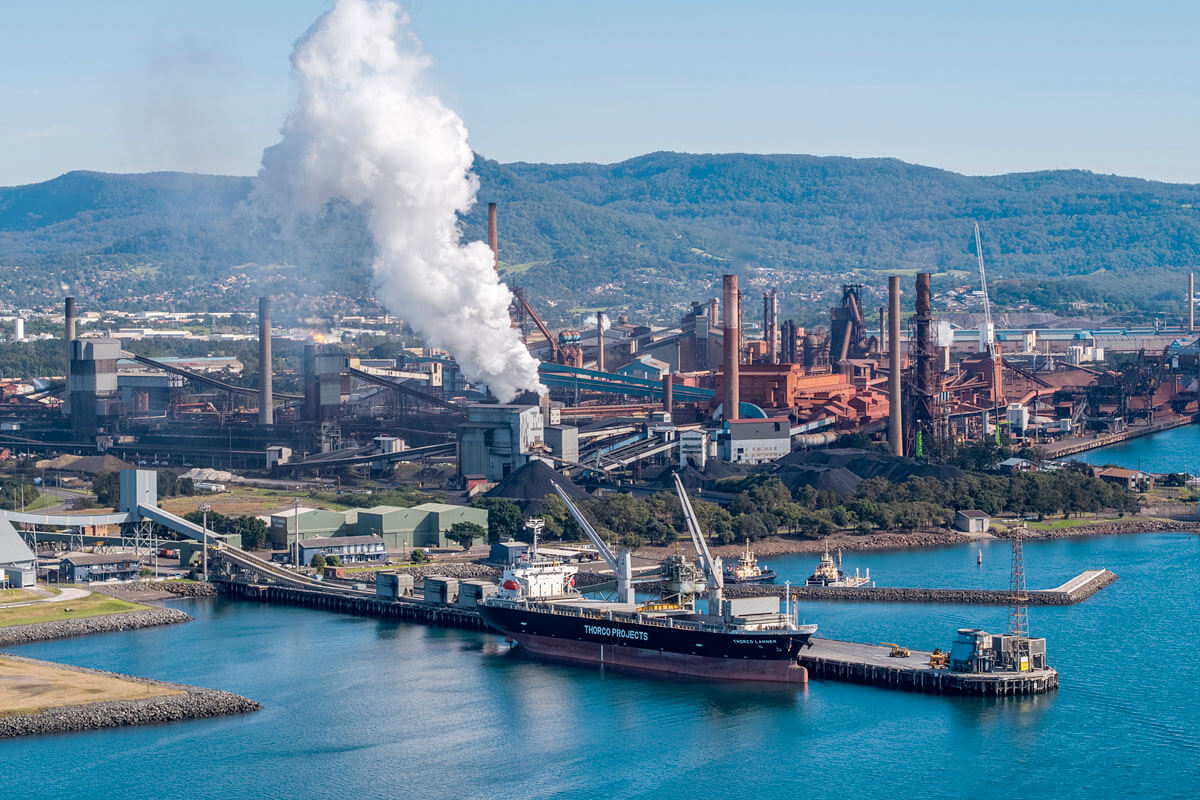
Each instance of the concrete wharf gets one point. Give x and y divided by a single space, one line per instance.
1078 444
831 659
346 602
1076 590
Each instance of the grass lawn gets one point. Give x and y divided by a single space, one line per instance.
1059 524
20 595
91 606
27 688
43 501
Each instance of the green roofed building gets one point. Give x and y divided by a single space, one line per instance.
308 523
425 525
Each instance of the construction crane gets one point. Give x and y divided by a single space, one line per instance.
987 336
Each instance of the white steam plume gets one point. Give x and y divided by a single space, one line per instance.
364 129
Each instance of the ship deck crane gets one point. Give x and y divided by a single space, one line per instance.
712 566
621 564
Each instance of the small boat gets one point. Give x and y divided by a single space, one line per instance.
829 573
748 570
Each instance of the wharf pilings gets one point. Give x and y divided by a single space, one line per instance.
403 610
1078 445
852 662
1074 591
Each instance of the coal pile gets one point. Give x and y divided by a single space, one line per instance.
534 481
826 479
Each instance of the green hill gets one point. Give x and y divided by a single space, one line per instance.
646 234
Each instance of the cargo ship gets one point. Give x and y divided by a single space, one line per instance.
538 608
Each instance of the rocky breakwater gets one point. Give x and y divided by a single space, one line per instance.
82 626
144 591
190 702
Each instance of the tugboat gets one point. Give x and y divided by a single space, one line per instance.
829 573
745 638
747 570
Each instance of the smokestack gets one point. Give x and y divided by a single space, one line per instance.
1191 302
266 412
732 335
770 325
600 341
69 333
493 237
668 393
896 402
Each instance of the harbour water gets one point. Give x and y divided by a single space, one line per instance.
361 708
1174 450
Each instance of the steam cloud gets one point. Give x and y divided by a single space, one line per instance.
364 129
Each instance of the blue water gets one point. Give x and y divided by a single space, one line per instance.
1175 450
358 708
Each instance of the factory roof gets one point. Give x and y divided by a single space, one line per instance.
971 513
86 559
337 541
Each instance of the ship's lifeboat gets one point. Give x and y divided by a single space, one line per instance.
511 585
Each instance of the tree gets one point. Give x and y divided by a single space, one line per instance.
107 488
333 561
504 518
465 533
318 561
419 556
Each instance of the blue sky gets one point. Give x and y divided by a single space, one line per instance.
140 85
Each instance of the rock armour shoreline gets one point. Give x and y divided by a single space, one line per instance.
108 623
195 703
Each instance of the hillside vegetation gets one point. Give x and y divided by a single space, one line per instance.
640 234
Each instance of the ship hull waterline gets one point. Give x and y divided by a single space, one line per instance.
782 669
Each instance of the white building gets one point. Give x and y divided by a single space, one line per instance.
754 441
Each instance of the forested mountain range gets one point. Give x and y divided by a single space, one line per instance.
642 234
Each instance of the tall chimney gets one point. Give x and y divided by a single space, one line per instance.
600 341
732 335
266 413
69 332
312 399
896 401
770 325
668 393
493 237
1191 302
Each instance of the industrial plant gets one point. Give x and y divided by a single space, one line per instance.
622 398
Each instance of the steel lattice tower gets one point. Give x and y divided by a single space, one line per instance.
1018 611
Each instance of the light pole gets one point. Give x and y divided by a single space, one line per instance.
204 509
296 520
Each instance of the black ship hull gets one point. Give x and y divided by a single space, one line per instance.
751 656
767 577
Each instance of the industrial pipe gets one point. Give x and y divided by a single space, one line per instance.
732 399
266 401
896 401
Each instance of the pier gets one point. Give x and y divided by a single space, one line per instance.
1078 444
831 659
1076 590
358 603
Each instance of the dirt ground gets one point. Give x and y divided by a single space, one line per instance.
27 688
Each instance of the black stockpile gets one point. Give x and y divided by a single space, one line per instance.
866 464
826 479
534 481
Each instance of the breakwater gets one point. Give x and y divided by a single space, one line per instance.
1075 591
193 703
83 626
